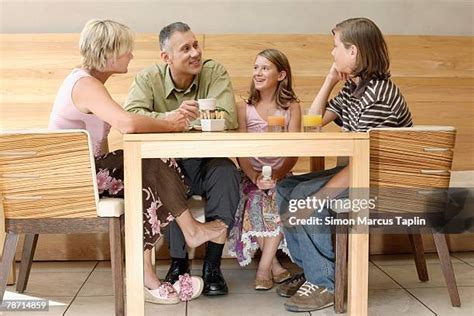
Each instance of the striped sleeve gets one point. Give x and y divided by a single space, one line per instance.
403 114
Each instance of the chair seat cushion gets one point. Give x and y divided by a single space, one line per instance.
114 207
110 207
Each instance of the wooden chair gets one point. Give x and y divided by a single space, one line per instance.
48 186
417 158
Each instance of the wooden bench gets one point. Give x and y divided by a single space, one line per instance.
435 73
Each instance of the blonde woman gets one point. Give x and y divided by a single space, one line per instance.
83 102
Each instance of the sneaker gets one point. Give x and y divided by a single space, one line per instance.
164 294
309 297
188 287
289 287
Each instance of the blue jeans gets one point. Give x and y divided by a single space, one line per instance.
310 246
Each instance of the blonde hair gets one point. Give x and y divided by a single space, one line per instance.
102 40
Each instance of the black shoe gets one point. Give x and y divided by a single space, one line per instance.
178 267
214 283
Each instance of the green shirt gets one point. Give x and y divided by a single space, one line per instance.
153 92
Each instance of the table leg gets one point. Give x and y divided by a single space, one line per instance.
358 266
316 163
133 229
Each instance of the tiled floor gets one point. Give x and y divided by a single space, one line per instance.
85 288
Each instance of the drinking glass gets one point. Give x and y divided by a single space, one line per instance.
312 120
276 121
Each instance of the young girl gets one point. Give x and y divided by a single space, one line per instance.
83 102
368 99
256 218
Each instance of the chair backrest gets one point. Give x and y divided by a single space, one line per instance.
410 166
47 174
419 156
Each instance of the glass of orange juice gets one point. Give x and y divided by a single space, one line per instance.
276 121
312 120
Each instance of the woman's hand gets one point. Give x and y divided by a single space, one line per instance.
177 120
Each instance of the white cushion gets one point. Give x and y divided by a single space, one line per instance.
114 207
196 206
110 207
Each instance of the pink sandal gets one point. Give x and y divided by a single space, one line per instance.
164 294
188 287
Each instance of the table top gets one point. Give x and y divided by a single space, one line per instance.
241 144
237 135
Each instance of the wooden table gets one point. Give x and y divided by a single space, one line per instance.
235 144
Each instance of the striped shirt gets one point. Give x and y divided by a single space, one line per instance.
376 103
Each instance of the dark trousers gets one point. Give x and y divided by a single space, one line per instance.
216 180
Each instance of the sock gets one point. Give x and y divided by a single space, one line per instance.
214 253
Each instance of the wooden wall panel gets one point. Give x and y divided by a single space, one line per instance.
435 73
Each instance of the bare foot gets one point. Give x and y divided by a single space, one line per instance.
204 232
215 224
151 281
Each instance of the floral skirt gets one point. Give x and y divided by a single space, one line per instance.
164 190
257 216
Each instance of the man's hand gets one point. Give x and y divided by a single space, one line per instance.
189 109
177 120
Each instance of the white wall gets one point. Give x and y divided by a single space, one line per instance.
424 17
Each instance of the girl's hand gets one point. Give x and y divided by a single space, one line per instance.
265 184
334 76
177 120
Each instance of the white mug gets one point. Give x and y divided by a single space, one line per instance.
207 104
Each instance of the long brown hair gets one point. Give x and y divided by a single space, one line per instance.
284 93
372 52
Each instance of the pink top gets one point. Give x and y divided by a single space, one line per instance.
65 115
256 124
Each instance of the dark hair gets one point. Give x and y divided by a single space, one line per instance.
169 30
372 52
284 92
